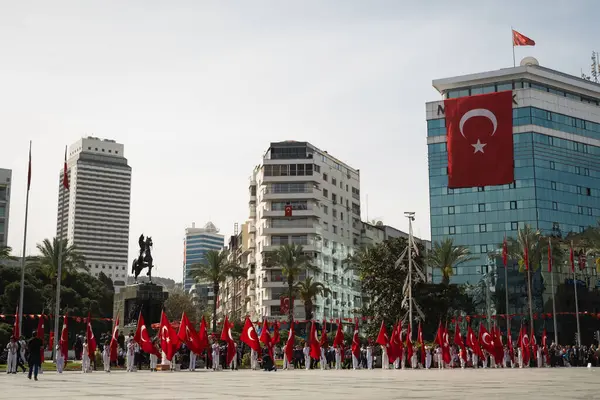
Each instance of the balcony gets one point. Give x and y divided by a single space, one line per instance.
310 212
294 178
251 227
305 193
307 230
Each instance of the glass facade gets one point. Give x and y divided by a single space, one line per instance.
556 188
196 246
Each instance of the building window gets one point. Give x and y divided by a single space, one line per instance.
333 181
581 229
512 185
449 191
552 165
554 205
586 172
325 209
450 209
588 191
553 185
334 198
482 228
579 210
316 168
325 177
589 210
555 226
334 229
483 249
483 269
481 188
325 193
452 230
481 207
513 205
514 225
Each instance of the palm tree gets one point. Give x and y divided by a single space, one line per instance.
47 260
215 269
308 290
292 260
5 253
445 256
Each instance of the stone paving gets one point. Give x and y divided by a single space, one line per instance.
563 383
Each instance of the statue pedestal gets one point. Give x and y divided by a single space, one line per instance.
145 297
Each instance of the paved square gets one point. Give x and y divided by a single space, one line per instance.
563 383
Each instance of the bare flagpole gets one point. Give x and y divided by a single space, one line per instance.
550 262
513 46
63 191
22 291
576 302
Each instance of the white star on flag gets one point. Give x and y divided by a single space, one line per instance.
478 146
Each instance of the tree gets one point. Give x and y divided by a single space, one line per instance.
5 254
308 290
445 256
215 269
47 261
179 302
292 260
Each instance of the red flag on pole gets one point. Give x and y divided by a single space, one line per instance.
382 337
249 336
143 338
315 347
265 338
203 334
65 172
339 336
276 337
114 343
289 345
169 342
40 334
521 40
187 334
323 341
91 339
509 344
421 343
356 341
16 325
64 339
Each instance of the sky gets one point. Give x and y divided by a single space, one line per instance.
196 91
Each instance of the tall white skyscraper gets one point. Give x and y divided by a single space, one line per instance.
94 213
5 176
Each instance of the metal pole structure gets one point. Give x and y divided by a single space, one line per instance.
59 264
550 263
22 289
576 304
528 268
511 38
411 217
506 298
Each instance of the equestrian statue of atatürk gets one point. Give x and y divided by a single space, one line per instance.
144 260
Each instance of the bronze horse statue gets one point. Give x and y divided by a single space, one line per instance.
144 260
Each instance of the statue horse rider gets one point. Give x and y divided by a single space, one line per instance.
144 260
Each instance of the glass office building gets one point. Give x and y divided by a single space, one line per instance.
556 128
196 243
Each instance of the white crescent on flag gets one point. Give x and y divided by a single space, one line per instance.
142 333
478 112
526 339
289 335
162 333
229 333
91 331
483 338
248 333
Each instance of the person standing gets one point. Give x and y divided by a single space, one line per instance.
253 359
233 364
323 360
306 352
439 357
427 357
338 357
85 358
106 356
21 354
35 347
11 360
60 360
153 356
215 355
385 360
130 355
193 356
370 354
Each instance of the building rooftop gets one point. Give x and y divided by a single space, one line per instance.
529 69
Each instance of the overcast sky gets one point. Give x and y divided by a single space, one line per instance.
196 90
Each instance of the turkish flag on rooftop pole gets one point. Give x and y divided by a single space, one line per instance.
249 335
91 339
521 40
480 140
65 172
114 341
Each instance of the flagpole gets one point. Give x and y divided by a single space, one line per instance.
553 300
506 293
513 47
576 303
527 267
22 289
59 266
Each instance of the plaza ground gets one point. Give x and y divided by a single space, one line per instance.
545 383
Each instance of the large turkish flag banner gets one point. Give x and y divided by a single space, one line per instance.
480 140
